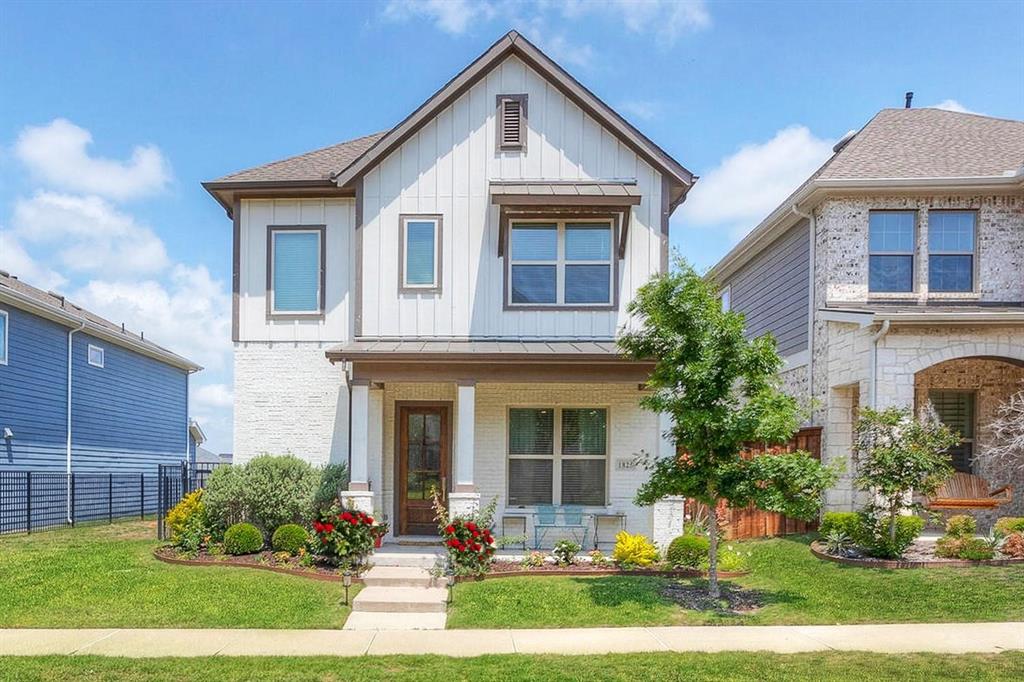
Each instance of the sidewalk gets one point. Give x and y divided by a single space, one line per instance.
949 638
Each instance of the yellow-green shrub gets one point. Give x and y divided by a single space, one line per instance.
187 515
634 550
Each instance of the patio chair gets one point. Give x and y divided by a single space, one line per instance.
546 519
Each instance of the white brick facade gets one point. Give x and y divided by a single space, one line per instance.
289 399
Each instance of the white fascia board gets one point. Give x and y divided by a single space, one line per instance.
863 318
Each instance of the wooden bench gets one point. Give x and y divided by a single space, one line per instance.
967 491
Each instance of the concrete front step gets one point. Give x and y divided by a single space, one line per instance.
371 620
404 558
401 600
398 576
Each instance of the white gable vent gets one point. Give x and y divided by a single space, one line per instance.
511 122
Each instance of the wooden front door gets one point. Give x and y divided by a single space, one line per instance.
423 450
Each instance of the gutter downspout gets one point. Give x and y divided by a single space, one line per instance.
68 430
873 393
810 299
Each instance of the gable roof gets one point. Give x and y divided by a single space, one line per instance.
900 150
54 306
337 167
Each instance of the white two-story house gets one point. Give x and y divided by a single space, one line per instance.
438 304
895 276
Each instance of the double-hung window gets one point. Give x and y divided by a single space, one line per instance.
4 322
296 273
956 410
420 268
561 263
951 250
557 456
891 251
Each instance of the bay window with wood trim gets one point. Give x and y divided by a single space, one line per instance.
557 455
561 264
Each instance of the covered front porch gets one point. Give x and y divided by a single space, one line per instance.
548 430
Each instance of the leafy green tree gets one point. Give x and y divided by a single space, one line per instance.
722 391
896 455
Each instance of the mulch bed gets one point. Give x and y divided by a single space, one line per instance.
733 600
509 569
919 555
264 561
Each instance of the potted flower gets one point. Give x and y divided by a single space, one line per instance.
379 529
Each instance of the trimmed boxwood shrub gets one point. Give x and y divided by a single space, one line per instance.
243 538
849 524
875 539
688 551
289 538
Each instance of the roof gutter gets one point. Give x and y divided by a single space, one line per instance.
873 378
812 232
30 304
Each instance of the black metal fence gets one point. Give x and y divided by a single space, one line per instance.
38 500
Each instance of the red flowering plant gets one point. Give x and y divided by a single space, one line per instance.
344 537
468 539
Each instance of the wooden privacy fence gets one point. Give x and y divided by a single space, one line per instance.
750 522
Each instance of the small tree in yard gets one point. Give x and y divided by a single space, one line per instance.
1006 450
721 390
897 455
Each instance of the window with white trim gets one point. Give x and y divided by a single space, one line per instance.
725 297
557 456
95 356
561 263
421 252
511 122
951 236
295 271
4 322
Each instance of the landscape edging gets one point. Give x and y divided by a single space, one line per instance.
818 551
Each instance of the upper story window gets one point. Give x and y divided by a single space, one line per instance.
296 273
3 337
557 456
511 122
891 251
725 297
420 257
95 356
951 238
561 264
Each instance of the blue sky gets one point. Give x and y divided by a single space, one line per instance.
112 114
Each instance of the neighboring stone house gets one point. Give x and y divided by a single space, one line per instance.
895 276
438 304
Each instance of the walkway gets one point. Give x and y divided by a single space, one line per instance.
950 638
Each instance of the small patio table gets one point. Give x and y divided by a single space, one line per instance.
617 516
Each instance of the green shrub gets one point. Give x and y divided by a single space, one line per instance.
687 551
289 538
874 536
565 552
961 526
268 491
838 543
224 497
847 523
1010 524
333 480
948 547
976 549
243 538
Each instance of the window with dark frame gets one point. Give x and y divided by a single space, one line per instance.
956 410
511 122
561 263
951 239
557 456
891 236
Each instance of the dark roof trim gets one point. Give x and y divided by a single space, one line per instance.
226 193
513 43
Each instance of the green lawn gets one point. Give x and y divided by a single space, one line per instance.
797 588
628 667
106 576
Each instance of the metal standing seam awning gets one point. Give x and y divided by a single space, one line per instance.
560 199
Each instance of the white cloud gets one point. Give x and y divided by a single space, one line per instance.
953 105
88 234
213 395
666 20
58 155
450 16
15 260
748 184
641 109
189 314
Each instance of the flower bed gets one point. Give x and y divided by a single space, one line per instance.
920 555
262 560
510 569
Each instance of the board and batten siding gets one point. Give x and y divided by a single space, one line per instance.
128 416
256 215
445 169
772 290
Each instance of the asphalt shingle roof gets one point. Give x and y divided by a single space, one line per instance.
318 164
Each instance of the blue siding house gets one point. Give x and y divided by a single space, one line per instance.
112 403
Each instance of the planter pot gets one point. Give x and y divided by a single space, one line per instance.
378 542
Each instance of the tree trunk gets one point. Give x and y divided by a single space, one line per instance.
894 509
713 590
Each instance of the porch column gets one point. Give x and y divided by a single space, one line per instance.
464 498
668 512
358 494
